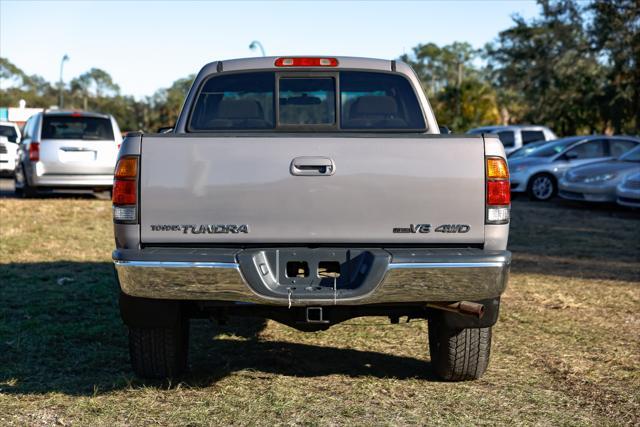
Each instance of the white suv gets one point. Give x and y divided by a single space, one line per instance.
67 150
516 136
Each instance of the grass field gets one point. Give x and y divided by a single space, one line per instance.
566 349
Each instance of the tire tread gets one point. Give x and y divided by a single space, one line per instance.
159 352
459 355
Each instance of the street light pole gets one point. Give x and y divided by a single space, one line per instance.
61 94
256 44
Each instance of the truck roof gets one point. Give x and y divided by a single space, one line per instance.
268 62
318 64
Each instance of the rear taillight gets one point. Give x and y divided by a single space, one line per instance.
34 151
498 191
125 190
306 62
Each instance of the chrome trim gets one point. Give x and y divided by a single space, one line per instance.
445 265
177 264
403 282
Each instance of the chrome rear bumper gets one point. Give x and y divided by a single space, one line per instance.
410 276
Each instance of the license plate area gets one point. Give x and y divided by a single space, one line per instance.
313 273
77 155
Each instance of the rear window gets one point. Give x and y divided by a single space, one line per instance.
620 146
248 101
378 101
307 101
77 127
631 156
235 101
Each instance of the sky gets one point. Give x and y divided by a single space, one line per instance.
146 45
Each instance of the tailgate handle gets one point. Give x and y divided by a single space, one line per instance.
312 166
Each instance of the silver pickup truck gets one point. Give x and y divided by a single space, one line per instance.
310 191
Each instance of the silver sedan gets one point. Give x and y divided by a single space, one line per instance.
537 172
597 182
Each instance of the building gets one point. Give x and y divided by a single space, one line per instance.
18 114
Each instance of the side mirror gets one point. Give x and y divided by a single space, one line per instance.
445 130
165 129
570 156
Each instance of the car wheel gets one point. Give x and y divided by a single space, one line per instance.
458 354
542 186
21 184
159 352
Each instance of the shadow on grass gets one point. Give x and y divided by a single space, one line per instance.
572 240
7 191
224 355
60 331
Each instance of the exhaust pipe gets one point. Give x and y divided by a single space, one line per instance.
460 307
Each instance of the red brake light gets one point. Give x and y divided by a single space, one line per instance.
34 151
124 192
306 62
76 114
498 193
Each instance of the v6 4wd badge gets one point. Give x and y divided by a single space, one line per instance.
413 228
427 228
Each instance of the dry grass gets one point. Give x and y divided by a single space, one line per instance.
566 349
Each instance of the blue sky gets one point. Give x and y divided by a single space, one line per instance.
146 45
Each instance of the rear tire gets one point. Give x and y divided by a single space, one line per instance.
459 354
159 352
26 191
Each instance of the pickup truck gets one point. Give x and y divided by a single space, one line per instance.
310 191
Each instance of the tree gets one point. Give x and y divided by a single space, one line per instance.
35 90
94 84
165 104
459 92
547 65
615 32
471 105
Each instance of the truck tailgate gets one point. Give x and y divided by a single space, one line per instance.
192 188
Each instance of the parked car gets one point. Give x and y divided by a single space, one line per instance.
516 136
628 191
67 150
597 182
537 173
9 139
11 131
8 154
310 203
